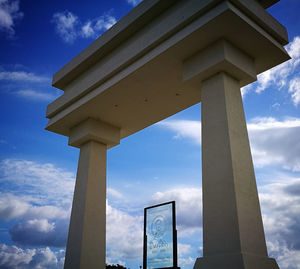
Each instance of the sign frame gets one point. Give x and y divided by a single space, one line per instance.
174 231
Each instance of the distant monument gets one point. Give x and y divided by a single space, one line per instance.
162 57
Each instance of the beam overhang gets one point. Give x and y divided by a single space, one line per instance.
139 82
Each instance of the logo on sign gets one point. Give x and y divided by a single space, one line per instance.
158 226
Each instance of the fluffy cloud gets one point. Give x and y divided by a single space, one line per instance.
13 80
287 258
21 76
95 27
124 235
40 199
282 76
9 13
65 25
184 129
186 262
133 2
35 95
184 249
69 27
114 193
12 257
280 202
12 207
273 142
40 232
294 89
188 208
48 226
40 224
44 183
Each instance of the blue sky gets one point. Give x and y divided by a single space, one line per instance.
158 164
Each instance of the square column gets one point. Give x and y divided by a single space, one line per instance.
86 244
233 234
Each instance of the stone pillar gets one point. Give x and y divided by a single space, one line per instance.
233 234
87 232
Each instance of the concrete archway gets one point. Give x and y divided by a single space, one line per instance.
204 50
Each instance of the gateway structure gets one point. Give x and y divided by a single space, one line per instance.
162 57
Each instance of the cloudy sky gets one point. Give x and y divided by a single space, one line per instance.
158 164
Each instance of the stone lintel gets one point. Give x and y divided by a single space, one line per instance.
94 130
221 56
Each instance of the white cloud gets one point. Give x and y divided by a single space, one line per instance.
294 89
133 2
17 79
281 75
65 25
95 27
44 183
288 258
280 203
124 235
87 30
276 106
114 193
40 225
35 95
36 225
12 207
188 208
273 142
184 249
12 257
184 129
104 22
9 13
69 27
40 232
21 76
186 262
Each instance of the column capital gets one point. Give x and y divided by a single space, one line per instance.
94 130
220 56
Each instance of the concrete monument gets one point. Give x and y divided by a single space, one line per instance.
162 57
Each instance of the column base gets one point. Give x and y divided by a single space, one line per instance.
236 261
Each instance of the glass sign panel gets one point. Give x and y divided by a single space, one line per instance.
159 234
